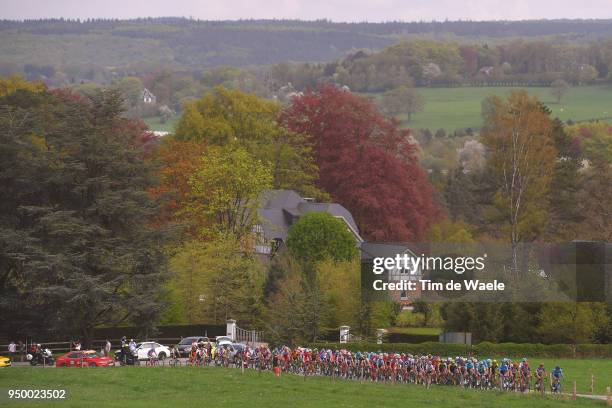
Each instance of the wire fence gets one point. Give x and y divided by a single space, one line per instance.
248 336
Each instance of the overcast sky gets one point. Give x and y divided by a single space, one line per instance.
336 10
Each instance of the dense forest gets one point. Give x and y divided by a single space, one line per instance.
102 223
185 44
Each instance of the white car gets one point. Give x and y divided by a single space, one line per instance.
223 340
143 349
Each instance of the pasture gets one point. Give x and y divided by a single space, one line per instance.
459 108
218 387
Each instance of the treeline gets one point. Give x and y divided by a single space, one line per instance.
101 223
460 28
448 64
145 45
105 225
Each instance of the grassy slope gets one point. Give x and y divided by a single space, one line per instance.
154 123
456 108
186 386
580 371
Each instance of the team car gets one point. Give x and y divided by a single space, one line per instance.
5 362
87 358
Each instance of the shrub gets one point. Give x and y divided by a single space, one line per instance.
484 349
408 318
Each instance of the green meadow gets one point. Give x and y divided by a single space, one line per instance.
459 108
217 387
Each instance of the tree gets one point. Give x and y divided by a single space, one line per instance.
295 303
217 280
564 215
318 236
76 232
225 189
340 284
15 83
591 141
131 90
483 320
177 162
471 156
586 73
518 136
366 163
286 315
233 118
558 89
402 100
594 200
450 232
573 322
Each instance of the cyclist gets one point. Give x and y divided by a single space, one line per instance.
174 355
540 374
525 374
152 355
557 374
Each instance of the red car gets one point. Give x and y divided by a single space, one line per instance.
88 358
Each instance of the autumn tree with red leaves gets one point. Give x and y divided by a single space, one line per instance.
366 163
178 160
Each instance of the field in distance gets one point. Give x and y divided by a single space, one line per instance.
188 386
460 108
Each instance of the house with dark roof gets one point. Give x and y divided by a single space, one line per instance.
280 209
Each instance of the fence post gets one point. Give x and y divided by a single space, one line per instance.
592 383
609 396
574 391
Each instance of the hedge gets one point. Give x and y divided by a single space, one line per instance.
410 338
484 349
392 337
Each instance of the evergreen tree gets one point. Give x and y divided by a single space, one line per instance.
77 246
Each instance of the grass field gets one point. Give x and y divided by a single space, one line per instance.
459 108
216 387
154 123
580 371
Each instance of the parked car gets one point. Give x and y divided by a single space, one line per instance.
87 358
184 345
143 348
223 340
234 349
5 362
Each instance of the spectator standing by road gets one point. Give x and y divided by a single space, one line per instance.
107 348
12 349
132 346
